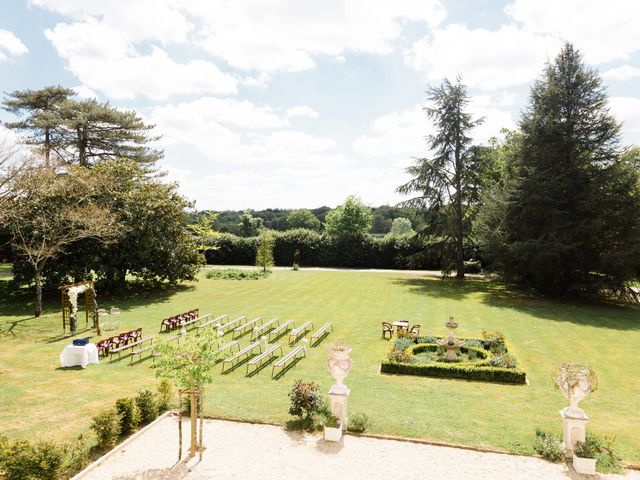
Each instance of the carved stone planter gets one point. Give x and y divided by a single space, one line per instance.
584 466
332 434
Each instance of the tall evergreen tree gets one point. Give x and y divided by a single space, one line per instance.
39 112
569 218
448 182
95 131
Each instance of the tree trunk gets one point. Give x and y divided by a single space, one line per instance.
47 146
194 424
458 208
38 281
82 148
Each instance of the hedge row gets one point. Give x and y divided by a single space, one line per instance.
453 370
319 250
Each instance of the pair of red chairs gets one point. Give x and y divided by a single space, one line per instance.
125 338
175 321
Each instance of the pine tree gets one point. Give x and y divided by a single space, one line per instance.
569 219
95 131
40 116
447 183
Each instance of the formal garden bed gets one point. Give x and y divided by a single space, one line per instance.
489 359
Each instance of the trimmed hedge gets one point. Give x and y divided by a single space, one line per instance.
322 250
465 371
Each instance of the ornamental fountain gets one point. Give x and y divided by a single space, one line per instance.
451 343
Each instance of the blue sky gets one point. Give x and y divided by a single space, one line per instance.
299 103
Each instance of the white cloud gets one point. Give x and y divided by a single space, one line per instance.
625 72
84 92
627 110
486 59
302 111
286 34
102 59
235 132
402 133
604 31
10 45
397 133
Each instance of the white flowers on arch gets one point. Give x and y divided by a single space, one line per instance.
73 293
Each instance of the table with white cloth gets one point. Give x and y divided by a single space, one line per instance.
73 355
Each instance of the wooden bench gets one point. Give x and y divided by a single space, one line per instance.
292 356
279 331
232 323
296 333
264 328
242 329
214 322
140 351
188 323
320 333
245 352
229 346
267 354
131 346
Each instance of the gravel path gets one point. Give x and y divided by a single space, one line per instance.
243 451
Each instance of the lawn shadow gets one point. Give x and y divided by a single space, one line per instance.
495 293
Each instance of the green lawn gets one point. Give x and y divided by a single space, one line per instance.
38 400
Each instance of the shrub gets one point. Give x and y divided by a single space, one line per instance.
165 395
504 361
24 461
494 342
129 416
236 274
305 399
427 339
358 422
76 456
107 427
399 356
600 448
332 422
402 343
548 446
147 406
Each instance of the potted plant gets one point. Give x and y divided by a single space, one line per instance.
584 456
332 429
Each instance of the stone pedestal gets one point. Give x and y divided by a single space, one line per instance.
574 427
338 399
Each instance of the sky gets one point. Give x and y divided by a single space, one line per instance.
299 103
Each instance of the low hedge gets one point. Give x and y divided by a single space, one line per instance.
322 250
463 370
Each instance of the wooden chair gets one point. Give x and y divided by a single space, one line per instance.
387 328
414 332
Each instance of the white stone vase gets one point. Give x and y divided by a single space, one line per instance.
339 364
584 466
574 390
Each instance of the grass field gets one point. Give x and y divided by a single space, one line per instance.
39 400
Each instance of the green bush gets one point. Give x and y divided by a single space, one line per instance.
236 274
305 399
600 448
76 456
358 422
129 416
21 460
107 427
399 356
165 395
494 342
332 422
504 360
548 446
402 343
147 406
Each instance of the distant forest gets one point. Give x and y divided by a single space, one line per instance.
276 218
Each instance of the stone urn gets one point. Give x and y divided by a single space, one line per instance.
575 381
339 365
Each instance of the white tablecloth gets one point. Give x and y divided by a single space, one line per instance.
83 356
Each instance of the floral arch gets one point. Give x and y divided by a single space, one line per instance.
69 297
